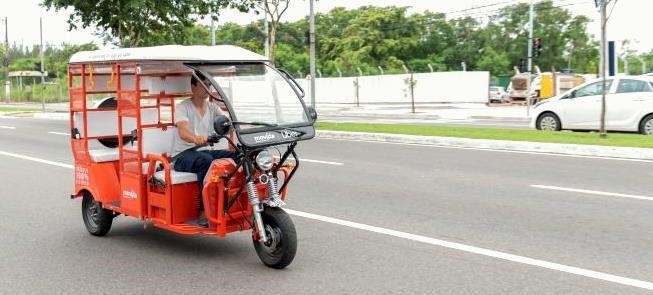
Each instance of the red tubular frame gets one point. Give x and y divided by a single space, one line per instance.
151 201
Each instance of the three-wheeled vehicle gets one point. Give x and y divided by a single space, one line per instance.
122 120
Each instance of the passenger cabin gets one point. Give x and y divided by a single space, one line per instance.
122 108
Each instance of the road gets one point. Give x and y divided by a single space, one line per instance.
371 218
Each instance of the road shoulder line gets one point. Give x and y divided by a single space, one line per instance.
592 192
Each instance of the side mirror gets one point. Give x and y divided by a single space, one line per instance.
312 114
221 125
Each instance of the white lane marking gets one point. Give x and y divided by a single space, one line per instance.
23 157
316 161
436 242
592 192
490 150
7 127
321 162
59 133
481 251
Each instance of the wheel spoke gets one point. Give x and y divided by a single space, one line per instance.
648 127
548 123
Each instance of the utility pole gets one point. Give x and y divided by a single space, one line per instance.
529 66
42 67
603 58
212 30
311 36
267 36
6 61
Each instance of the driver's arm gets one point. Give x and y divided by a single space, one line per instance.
189 136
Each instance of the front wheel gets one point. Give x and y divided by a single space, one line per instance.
97 219
549 122
281 247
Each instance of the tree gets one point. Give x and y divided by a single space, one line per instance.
372 37
274 9
127 23
494 62
563 36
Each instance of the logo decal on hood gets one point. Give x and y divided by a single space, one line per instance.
265 137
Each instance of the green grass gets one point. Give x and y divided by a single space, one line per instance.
7 109
613 139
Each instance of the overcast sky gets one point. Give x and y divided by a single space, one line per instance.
630 19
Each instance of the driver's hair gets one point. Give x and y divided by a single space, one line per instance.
193 80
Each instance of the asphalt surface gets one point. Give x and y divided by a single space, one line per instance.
476 198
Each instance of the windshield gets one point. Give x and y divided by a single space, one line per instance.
259 95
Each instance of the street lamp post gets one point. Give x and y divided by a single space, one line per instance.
603 5
530 59
311 36
42 67
6 60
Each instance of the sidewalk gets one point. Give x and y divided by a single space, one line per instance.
441 111
35 106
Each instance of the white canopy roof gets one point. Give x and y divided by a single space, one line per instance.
199 53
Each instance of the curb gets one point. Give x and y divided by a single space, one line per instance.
381 116
503 145
517 119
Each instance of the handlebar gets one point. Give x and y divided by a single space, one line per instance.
213 139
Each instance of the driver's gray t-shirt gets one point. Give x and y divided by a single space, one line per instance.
186 111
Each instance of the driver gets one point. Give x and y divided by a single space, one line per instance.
194 120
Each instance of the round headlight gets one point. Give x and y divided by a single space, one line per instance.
264 160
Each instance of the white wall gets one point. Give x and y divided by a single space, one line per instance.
430 87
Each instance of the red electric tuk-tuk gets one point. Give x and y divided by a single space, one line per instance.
122 114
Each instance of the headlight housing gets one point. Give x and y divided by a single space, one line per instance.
264 160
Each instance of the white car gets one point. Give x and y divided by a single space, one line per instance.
498 94
629 107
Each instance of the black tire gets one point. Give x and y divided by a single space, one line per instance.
548 121
643 128
96 219
282 245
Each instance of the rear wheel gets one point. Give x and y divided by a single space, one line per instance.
97 219
548 121
281 247
646 126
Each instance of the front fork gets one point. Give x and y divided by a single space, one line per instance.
273 200
257 208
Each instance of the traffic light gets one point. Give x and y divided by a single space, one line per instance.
537 47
